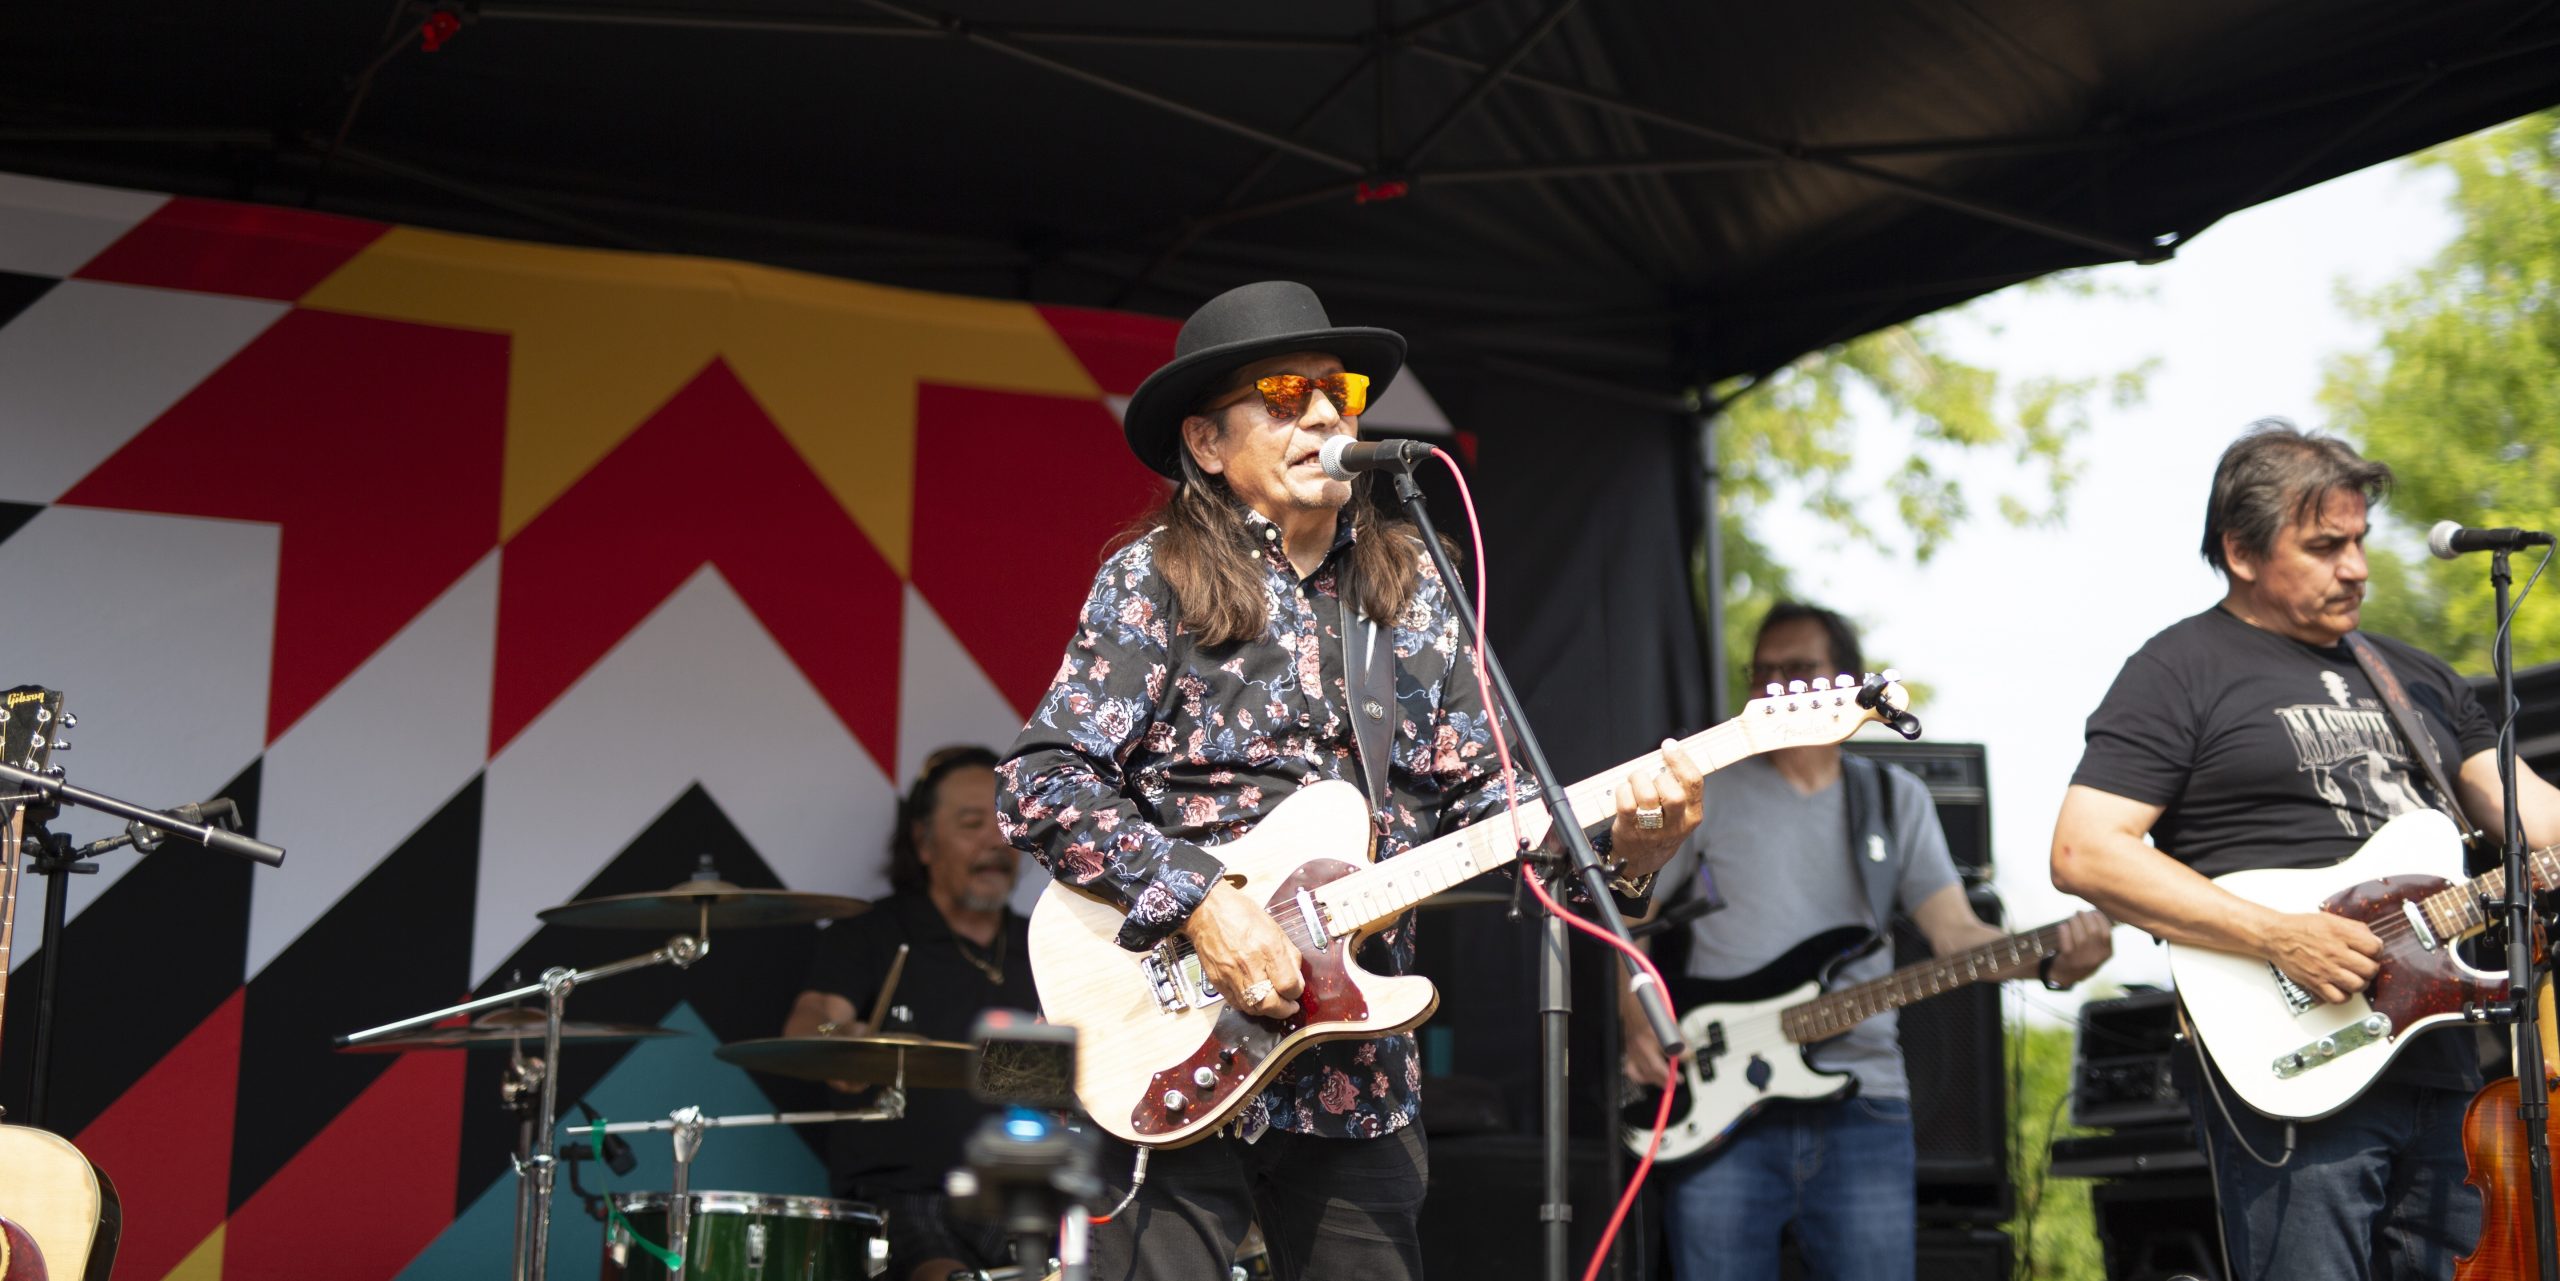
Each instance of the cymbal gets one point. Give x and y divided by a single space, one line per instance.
871 1060
681 908
499 1029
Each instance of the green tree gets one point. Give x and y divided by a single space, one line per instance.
2055 1237
2462 393
1795 433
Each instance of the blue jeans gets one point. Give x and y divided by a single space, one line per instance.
2373 1192
1839 1171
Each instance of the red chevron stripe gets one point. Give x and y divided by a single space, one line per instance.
1117 348
167 1144
359 1201
375 444
1007 576
216 247
707 479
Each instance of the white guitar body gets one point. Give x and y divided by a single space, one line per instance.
1144 1041
1759 1065
2254 1022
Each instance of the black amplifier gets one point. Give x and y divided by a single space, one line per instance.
2120 1063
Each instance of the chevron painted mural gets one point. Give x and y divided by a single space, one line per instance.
486 576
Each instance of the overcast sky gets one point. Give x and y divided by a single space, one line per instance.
2018 633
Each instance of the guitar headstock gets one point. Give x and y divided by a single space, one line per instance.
1820 711
30 718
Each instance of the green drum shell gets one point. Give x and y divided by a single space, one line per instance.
746 1236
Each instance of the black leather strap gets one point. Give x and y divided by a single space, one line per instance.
1369 678
2413 733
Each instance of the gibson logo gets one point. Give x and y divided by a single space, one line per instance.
17 696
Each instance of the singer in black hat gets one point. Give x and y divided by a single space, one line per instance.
1206 683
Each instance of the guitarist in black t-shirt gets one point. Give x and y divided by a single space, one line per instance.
2248 736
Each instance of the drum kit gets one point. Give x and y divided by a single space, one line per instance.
694 1236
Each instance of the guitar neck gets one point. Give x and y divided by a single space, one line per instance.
2458 912
1385 891
1833 1013
10 858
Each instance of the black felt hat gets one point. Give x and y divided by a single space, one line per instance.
1236 328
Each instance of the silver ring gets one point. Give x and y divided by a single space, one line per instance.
1260 993
1649 817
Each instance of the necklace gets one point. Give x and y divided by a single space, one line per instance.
989 963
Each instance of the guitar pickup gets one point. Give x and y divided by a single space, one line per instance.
2354 1036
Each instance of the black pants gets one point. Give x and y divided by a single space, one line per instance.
1329 1208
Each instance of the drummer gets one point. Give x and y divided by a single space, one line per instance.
951 874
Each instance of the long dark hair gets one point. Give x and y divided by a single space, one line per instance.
1206 551
906 866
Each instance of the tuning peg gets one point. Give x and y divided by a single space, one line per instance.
1843 681
1892 675
70 721
1822 682
1795 687
53 772
1775 689
61 746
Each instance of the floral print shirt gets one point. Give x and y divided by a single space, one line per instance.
1149 750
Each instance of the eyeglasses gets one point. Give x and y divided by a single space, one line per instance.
1766 673
1285 395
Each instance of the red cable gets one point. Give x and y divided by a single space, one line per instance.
1511 806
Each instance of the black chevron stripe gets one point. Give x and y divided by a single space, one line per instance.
743 989
19 292
397 944
15 515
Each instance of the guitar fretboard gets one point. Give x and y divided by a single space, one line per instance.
2457 912
1383 892
1833 1013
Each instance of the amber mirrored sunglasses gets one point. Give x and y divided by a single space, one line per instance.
1285 395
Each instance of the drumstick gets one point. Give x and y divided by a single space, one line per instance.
888 988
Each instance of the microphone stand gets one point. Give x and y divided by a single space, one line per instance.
1555 996
52 856
2533 1087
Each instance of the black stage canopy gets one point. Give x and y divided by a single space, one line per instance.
1654 195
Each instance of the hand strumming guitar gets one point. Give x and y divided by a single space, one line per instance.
1239 945
2331 956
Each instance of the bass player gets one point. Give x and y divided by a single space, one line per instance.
1782 847
2250 736
1207 682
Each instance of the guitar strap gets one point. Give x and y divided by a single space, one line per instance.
2413 732
1369 679
1868 796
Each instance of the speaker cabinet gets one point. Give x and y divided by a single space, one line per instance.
2158 1228
1480 1218
1959 779
1952 1051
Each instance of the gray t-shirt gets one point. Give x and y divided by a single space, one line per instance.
1779 859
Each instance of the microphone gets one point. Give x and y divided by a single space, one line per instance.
147 838
2449 539
1344 458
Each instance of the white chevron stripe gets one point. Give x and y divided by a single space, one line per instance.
698 691
380 755
944 697
50 228
89 365
159 631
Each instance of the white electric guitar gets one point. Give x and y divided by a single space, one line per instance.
1163 1060
2288 1054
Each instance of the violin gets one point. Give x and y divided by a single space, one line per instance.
2493 1141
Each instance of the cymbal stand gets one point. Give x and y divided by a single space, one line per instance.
687 1125
533 1248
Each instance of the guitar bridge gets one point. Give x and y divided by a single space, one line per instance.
1173 974
2295 997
